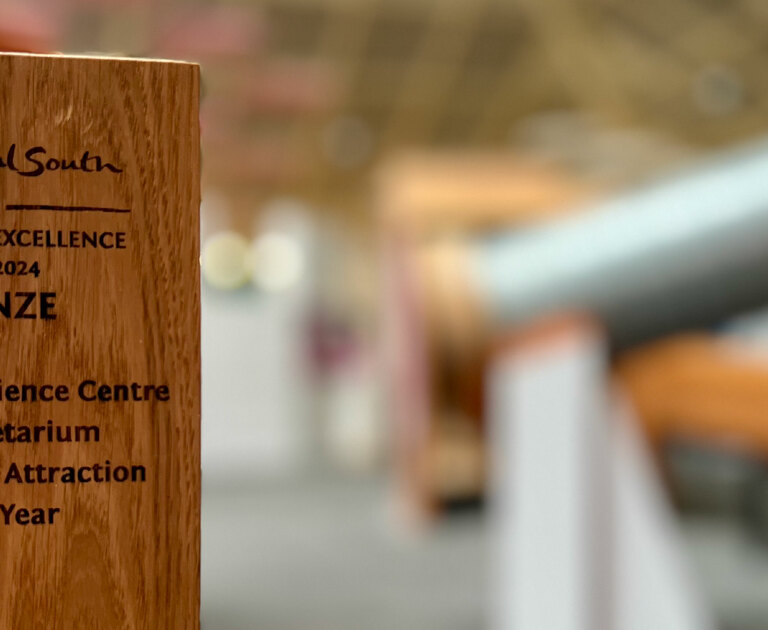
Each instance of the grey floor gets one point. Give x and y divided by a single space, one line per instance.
319 555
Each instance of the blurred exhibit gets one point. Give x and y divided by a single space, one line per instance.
485 306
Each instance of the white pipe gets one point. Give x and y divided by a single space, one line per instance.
684 252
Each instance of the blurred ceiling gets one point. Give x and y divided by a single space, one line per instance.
309 94
463 71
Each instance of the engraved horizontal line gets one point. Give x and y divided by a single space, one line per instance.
19 206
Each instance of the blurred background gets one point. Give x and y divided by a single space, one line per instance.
485 292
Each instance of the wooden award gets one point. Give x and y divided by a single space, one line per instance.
100 330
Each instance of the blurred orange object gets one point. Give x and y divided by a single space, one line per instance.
700 388
437 336
427 193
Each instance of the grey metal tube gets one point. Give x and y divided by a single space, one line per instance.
685 252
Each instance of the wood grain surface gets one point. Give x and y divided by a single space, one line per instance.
118 555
